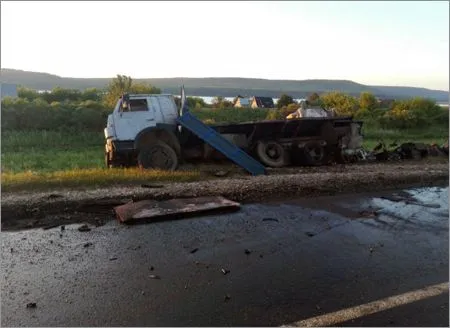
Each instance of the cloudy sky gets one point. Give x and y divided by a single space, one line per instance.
389 43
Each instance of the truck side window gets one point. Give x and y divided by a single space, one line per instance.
137 105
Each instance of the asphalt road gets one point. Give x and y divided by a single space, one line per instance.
284 264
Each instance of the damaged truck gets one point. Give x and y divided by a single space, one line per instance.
150 131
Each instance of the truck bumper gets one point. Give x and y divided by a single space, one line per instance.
121 153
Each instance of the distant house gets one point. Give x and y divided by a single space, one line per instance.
262 102
241 102
8 90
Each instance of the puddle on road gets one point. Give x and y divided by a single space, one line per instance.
420 207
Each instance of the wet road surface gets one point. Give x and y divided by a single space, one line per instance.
266 265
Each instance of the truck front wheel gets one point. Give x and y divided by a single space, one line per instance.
108 160
158 155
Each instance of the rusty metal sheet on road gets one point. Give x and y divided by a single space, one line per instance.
152 209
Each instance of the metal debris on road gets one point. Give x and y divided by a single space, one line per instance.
247 251
53 196
51 226
221 174
31 305
227 297
84 228
194 250
270 219
225 271
87 244
113 258
368 214
151 209
151 186
152 276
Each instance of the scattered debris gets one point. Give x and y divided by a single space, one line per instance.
143 293
87 244
247 251
33 223
310 234
368 214
221 173
84 228
113 258
53 196
31 305
225 271
270 219
63 228
407 150
227 297
371 249
151 186
51 226
152 276
98 222
261 256
151 209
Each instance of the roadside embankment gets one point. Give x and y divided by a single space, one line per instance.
275 185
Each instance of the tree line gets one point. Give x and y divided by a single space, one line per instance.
72 109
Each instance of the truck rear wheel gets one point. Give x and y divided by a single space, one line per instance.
315 153
158 155
271 153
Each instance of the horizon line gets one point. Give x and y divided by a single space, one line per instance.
210 77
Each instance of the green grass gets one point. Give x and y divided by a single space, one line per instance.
92 178
40 159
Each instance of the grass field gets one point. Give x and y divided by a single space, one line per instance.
31 160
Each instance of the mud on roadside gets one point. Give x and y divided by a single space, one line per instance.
48 209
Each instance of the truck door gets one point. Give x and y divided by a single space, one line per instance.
169 109
132 118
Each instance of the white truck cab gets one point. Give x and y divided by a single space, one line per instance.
138 119
134 113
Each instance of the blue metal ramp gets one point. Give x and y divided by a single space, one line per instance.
213 138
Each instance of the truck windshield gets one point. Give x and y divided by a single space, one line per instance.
137 105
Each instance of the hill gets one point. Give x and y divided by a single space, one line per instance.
226 87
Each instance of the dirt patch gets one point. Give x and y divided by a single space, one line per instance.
94 206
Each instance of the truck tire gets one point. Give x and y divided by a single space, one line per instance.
315 153
158 155
271 153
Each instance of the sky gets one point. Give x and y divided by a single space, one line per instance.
376 43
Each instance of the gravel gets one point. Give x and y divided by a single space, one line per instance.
278 184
